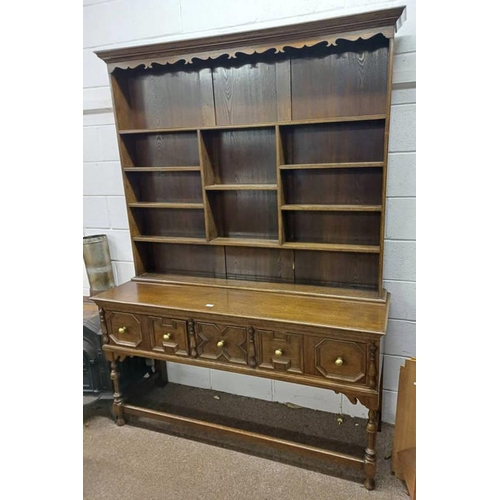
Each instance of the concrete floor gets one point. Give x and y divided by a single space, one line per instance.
147 461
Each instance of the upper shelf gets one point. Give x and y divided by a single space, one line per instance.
307 166
161 169
351 27
337 119
241 187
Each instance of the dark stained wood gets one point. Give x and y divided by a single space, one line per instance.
332 247
336 142
190 206
180 222
311 121
386 157
340 81
162 150
197 260
245 93
370 452
161 169
170 239
261 264
207 177
351 228
349 186
161 373
232 211
166 187
254 168
243 156
328 208
309 166
336 269
283 90
241 187
163 97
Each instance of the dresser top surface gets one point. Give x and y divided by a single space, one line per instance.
353 315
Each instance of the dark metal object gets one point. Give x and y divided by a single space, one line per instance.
96 369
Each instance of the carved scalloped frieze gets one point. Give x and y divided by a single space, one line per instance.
369 401
232 53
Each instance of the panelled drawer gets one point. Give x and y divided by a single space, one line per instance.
226 343
339 360
168 335
125 329
280 351
148 332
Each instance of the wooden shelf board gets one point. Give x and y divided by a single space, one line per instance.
244 242
162 169
331 247
338 119
241 187
304 166
261 243
333 208
321 291
192 206
171 239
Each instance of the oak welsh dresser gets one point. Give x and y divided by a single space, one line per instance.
254 167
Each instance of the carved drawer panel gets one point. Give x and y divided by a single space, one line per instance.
125 329
280 351
168 335
221 342
341 360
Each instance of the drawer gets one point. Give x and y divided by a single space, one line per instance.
280 351
125 329
168 335
227 343
340 360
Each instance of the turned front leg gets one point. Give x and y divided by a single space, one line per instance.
370 453
117 395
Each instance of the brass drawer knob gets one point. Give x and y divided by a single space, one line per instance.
167 336
339 361
278 352
221 343
122 329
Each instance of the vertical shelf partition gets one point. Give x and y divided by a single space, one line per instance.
290 183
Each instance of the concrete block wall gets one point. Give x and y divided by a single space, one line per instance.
115 23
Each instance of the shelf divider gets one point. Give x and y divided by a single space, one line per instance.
162 169
280 158
170 239
332 247
189 206
338 119
241 187
333 208
207 177
305 166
